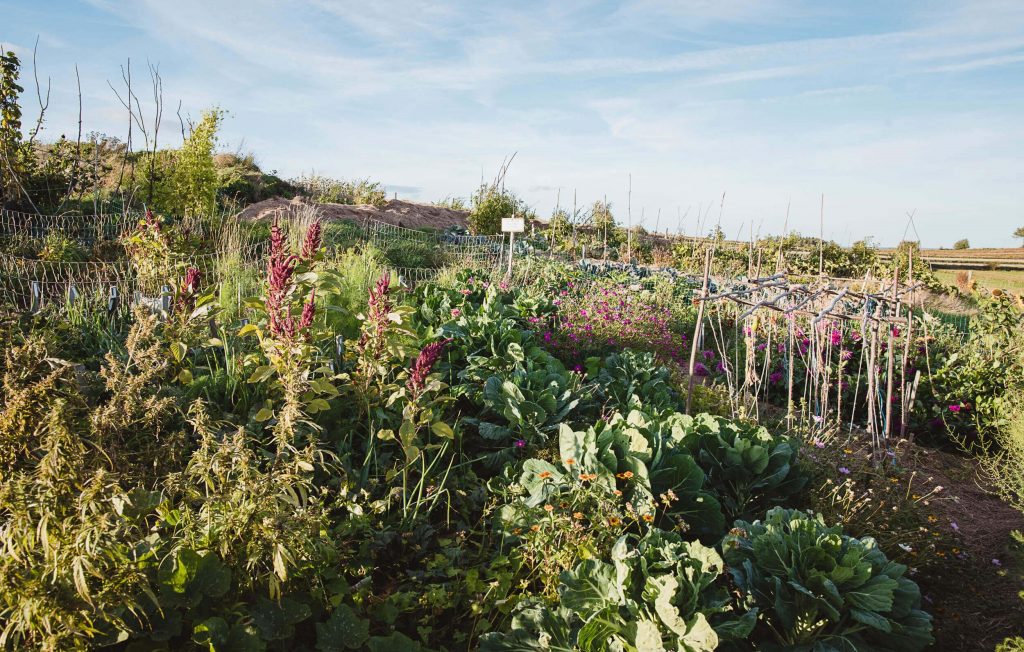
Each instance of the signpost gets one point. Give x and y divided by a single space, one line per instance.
512 226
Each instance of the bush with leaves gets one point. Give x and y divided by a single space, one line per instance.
491 204
818 589
656 593
975 386
192 186
60 248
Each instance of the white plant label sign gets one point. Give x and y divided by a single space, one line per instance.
513 224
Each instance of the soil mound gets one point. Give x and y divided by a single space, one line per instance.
398 212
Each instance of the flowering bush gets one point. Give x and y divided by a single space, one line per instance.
597 319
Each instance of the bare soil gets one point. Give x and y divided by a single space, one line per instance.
974 599
411 215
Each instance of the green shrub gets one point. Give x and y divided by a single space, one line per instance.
491 204
59 248
976 384
817 588
192 187
413 255
325 190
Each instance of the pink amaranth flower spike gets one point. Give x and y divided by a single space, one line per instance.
308 311
422 365
954 408
192 278
311 243
189 287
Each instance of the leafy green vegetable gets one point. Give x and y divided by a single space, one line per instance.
749 468
819 589
656 593
633 380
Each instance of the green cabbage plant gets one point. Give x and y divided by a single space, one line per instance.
748 468
818 589
631 380
658 593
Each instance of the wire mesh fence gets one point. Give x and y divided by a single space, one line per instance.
85 229
454 248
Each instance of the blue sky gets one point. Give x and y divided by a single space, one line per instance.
883 107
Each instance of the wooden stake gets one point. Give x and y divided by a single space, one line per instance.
697 328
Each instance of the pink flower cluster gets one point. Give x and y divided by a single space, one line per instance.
591 320
189 287
378 307
422 366
280 285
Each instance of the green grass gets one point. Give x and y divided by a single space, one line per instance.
1011 280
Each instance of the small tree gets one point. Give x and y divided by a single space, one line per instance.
13 152
1019 233
962 244
607 235
559 227
491 204
193 181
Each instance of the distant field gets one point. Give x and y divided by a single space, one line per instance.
989 279
1015 253
1006 253
996 259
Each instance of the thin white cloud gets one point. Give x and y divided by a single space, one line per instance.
765 99
975 64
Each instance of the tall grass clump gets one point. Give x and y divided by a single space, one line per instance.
325 190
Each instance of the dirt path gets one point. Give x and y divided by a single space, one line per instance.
974 597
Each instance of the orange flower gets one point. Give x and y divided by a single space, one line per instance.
618 493
535 528
570 461
544 475
586 477
563 504
549 508
648 518
614 521
577 515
